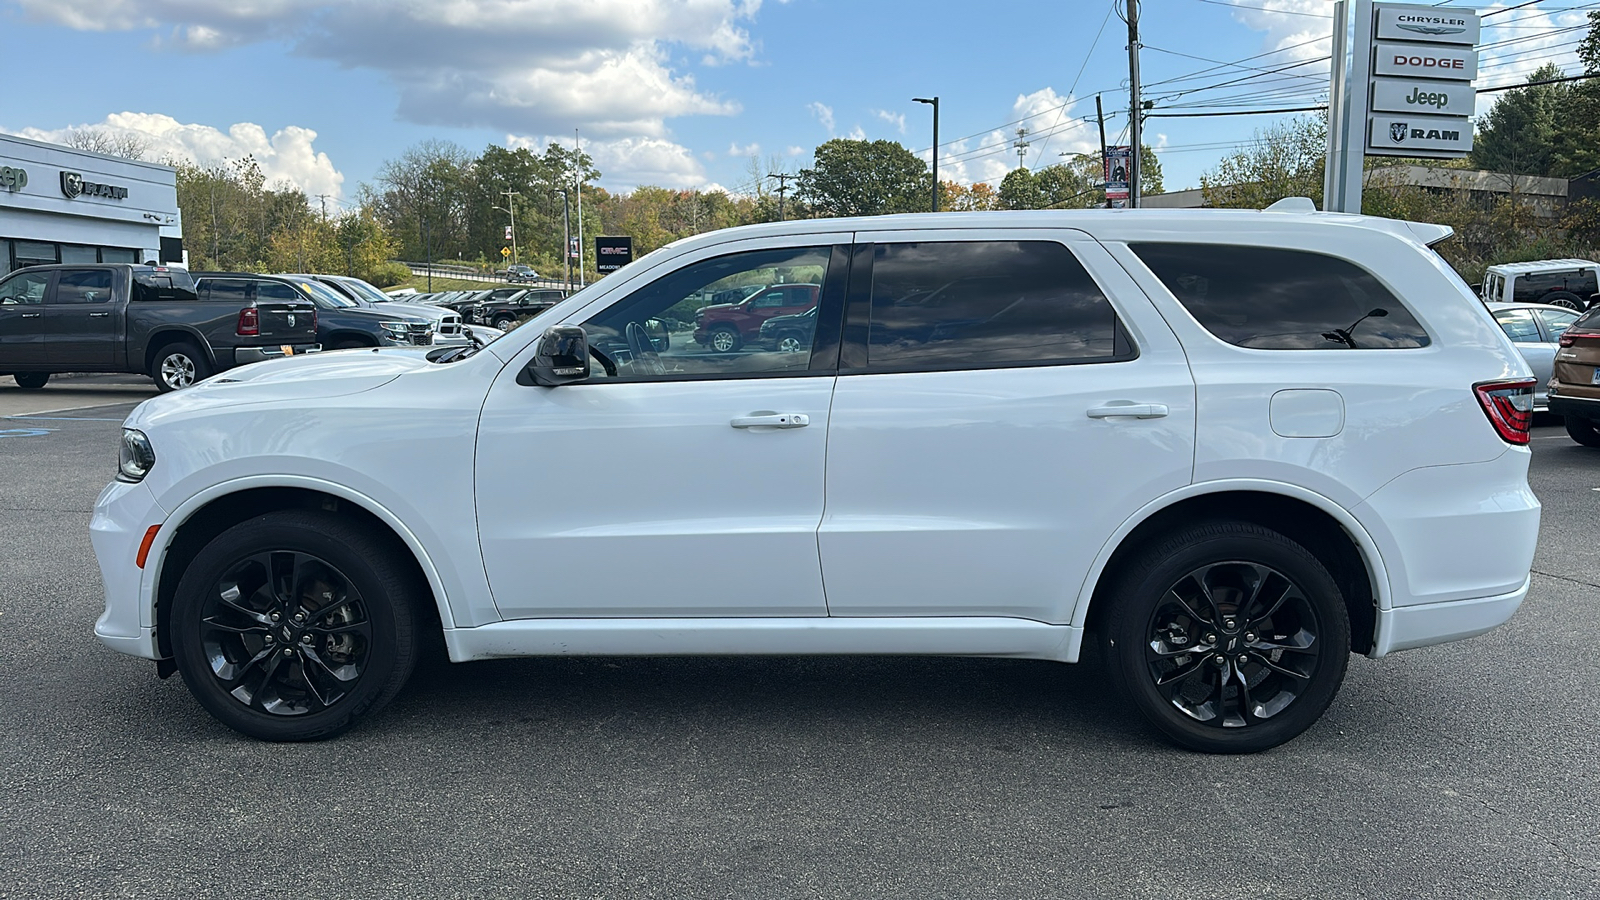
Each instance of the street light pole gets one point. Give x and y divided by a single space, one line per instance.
566 238
934 102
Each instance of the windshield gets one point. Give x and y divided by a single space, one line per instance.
325 297
365 291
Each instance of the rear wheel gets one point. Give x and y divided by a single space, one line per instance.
1228 637
1584 431
293 625
31 381
1564 298
178 366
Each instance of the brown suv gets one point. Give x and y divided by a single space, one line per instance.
1575 379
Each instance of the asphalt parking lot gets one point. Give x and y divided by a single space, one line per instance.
1466 770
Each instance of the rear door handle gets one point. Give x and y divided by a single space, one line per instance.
1118 408
31 315
99 315
772 420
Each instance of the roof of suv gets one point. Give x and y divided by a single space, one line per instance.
1540 265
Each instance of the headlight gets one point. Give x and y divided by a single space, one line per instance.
136 458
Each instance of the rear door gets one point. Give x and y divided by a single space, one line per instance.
81 321
22 320
1006 400
287 318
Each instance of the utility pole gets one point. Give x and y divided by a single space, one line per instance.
324 199
510 212
1135 107
1100 116
1022 146
783 185
578 177
935 103
566 238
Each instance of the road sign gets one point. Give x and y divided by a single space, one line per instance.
505 252
612 253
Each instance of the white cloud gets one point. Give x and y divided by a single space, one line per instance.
793 150
824 114
898 120
287 156
750 149
1054 127
632 161
857 134
525 66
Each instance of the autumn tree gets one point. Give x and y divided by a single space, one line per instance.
865 178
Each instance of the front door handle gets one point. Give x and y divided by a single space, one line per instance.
1118 408
772 420
99 315
31 315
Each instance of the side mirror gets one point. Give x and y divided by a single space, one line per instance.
562 357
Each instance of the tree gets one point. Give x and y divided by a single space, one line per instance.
865 178
1576 149
125 144
1519 133
1285 160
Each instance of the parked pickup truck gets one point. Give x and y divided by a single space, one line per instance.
144 319
507 312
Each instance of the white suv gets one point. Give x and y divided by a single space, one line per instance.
1572 283
1234 446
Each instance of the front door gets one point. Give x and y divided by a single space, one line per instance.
998 416
676 481
81 322
22 326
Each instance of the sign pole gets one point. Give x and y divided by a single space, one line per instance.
1353 123
1338 145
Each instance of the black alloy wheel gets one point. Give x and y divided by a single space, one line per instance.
293 625
1584 431
1228 637
31 381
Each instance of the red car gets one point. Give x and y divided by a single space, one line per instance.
726 327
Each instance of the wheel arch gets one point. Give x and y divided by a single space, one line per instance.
167 335
343 335
210 512
1322 526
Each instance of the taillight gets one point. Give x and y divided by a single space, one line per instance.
1509 406
1568 336
313 318
249 322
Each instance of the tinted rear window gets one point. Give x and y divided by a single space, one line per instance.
1268 298
987 303
169 285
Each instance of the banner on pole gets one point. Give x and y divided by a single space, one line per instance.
1117 162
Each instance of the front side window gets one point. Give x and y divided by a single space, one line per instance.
1518 324
969 304
1268 298
25 288
1556 321
691 322
84 286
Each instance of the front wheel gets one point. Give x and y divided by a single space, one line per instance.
725 339
1583 431
178 366
292 625
1228 637
31 381
505 323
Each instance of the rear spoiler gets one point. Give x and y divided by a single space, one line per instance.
1429 233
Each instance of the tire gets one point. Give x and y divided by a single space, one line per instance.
179 365
790 344
228 647
31 381
1565 299
1179 658
505 323
1584 431
724 339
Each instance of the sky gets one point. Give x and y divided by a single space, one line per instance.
682 93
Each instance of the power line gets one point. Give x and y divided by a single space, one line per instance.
1512 87
1286 12
1071 90
1242 112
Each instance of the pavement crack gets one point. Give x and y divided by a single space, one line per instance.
1560 851
1565 578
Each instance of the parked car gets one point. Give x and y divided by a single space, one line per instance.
446 322
1572 283
1187 434
342 323
725 327
521 273
143 319
1574 387
509 312
1536 330
790 334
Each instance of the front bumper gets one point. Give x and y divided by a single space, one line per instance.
246 355
122 514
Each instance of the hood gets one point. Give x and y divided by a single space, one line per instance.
432 313
716 306
378 314
315 376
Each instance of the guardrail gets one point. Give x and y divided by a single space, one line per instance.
468 273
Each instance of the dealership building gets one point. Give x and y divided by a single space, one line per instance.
60 205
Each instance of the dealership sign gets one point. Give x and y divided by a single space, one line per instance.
73 186
1419 87
612 253
13 178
